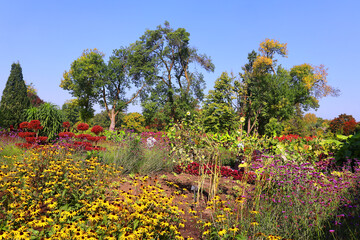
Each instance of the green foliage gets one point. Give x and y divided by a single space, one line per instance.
268 91
92 81
84 79
219 115
273 127
50 117
163 57
349 150
71 111
9 153
14 99
134 121
134 156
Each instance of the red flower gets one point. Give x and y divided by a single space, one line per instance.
93 139
26 134
97 129
66 135
83 136
66 124
35 125
23 125
30 139
42 139
83 126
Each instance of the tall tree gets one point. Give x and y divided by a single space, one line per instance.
164 58
268 91
117 82
219 114
84 79
92 81
14 99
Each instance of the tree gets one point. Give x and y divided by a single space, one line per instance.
117 81
267 91
71 111
344 124
92 81
84 80
14 99
219 114
164 59
103 119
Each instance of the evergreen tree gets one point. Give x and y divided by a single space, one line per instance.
14 99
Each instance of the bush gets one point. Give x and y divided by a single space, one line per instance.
50 117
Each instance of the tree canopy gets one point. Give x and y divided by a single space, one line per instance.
164 58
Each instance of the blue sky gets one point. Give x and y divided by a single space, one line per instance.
46 36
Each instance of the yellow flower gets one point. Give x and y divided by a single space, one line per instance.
254 223
208 224
206 232
222 232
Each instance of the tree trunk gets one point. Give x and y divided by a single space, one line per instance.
112 117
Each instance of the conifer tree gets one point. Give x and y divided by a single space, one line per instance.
14 99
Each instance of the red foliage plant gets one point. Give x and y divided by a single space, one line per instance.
292 137
36 139
23 125
35 125
83 126
97 129
66 125
66 135
82 136
26 134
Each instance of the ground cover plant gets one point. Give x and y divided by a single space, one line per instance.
96 184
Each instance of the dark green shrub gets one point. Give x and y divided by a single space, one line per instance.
14 99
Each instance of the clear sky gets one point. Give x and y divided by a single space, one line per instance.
46 36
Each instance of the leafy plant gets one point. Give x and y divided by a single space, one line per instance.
50 116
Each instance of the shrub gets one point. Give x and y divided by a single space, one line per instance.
50 117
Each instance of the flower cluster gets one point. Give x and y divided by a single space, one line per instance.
97 129
66 134
83 126
35 125
26 134
293 137
23 125
66 125
194 169
63 198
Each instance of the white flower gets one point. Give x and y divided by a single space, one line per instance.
188 113
242 119
240 145
150 142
